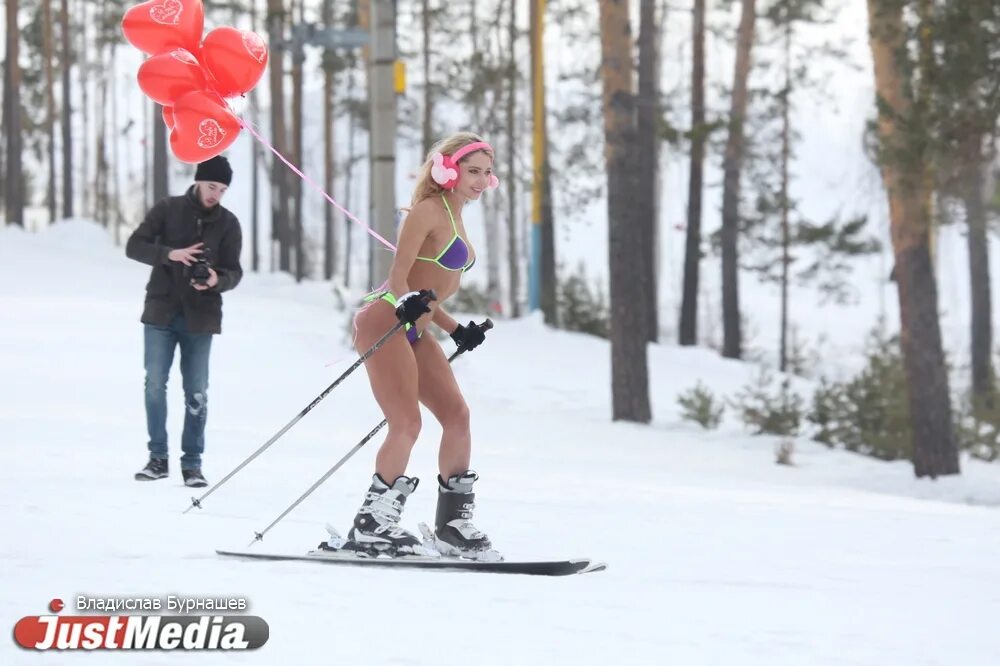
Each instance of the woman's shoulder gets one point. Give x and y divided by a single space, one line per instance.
428 206
427 210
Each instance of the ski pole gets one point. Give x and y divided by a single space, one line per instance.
196 501
259 536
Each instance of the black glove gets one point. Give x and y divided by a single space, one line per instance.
410 307
468 337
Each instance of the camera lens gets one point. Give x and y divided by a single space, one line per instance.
200 273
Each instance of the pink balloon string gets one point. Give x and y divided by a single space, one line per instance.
250 128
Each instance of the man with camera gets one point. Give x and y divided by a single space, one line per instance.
193 245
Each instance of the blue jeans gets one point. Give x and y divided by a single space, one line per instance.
160 342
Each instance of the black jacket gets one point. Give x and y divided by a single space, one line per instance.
179 222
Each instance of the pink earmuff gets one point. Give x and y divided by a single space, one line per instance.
445 169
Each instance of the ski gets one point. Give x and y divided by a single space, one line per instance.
539 568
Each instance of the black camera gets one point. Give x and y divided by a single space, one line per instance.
199 271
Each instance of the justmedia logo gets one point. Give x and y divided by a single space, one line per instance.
139 632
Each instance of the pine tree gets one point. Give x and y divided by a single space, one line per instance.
732 167
903 156
13 182
965 111
647 115
66 62
775 233
629 378
688 327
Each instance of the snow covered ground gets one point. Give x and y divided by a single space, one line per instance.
716 554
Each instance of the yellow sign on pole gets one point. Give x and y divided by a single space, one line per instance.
400 76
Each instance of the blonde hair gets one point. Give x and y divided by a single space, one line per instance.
426 187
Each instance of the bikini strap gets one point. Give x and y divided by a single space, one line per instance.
454 227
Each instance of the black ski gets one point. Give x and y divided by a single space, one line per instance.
543 568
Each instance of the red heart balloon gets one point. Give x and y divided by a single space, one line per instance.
159 25
167 76
168 116
203 128
235 58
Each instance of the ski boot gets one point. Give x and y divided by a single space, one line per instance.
376 528
454 534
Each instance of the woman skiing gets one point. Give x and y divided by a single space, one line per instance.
432 254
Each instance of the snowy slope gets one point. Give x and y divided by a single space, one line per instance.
716 555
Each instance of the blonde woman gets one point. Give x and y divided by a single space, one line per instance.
432 254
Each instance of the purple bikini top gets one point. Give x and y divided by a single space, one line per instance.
455 255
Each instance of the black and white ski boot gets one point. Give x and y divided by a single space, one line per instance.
376 528
454 534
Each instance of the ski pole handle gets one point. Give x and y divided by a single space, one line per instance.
485 326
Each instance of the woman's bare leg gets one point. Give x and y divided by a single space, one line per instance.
454 532
439 391
392 372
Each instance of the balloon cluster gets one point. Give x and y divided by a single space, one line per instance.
192 77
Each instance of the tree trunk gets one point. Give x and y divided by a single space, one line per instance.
102 121
48 38
83 70
647 164
513 253
494 253
732 165
14 182
147 168
101 198
786 150
629 380
477 92
3 137
979 276
904 174
67 111
161 175
692 249
491 209
550 306
280 222
927 68
254 166
114 191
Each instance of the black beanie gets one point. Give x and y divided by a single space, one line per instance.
216 170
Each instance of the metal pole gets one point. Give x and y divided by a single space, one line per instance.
538 151
383 124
